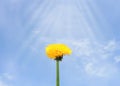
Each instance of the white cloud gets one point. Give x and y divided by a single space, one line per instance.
2 83
89 68
96 57
8 76
106 70
36 32
117 59
111 46
5 78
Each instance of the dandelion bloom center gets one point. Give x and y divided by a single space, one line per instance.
55 51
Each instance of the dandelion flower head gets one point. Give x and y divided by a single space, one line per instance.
54 51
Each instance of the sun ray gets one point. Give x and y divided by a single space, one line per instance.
64 20
89 17
70 19
103 23
42 28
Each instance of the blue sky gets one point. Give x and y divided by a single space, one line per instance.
89 27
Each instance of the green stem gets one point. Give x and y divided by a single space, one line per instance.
57 74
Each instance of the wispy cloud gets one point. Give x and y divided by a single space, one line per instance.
117 59
8 76
3 83
100 70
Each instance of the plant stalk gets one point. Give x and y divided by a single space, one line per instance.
57 73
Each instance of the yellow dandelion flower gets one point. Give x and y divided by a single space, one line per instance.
57 51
